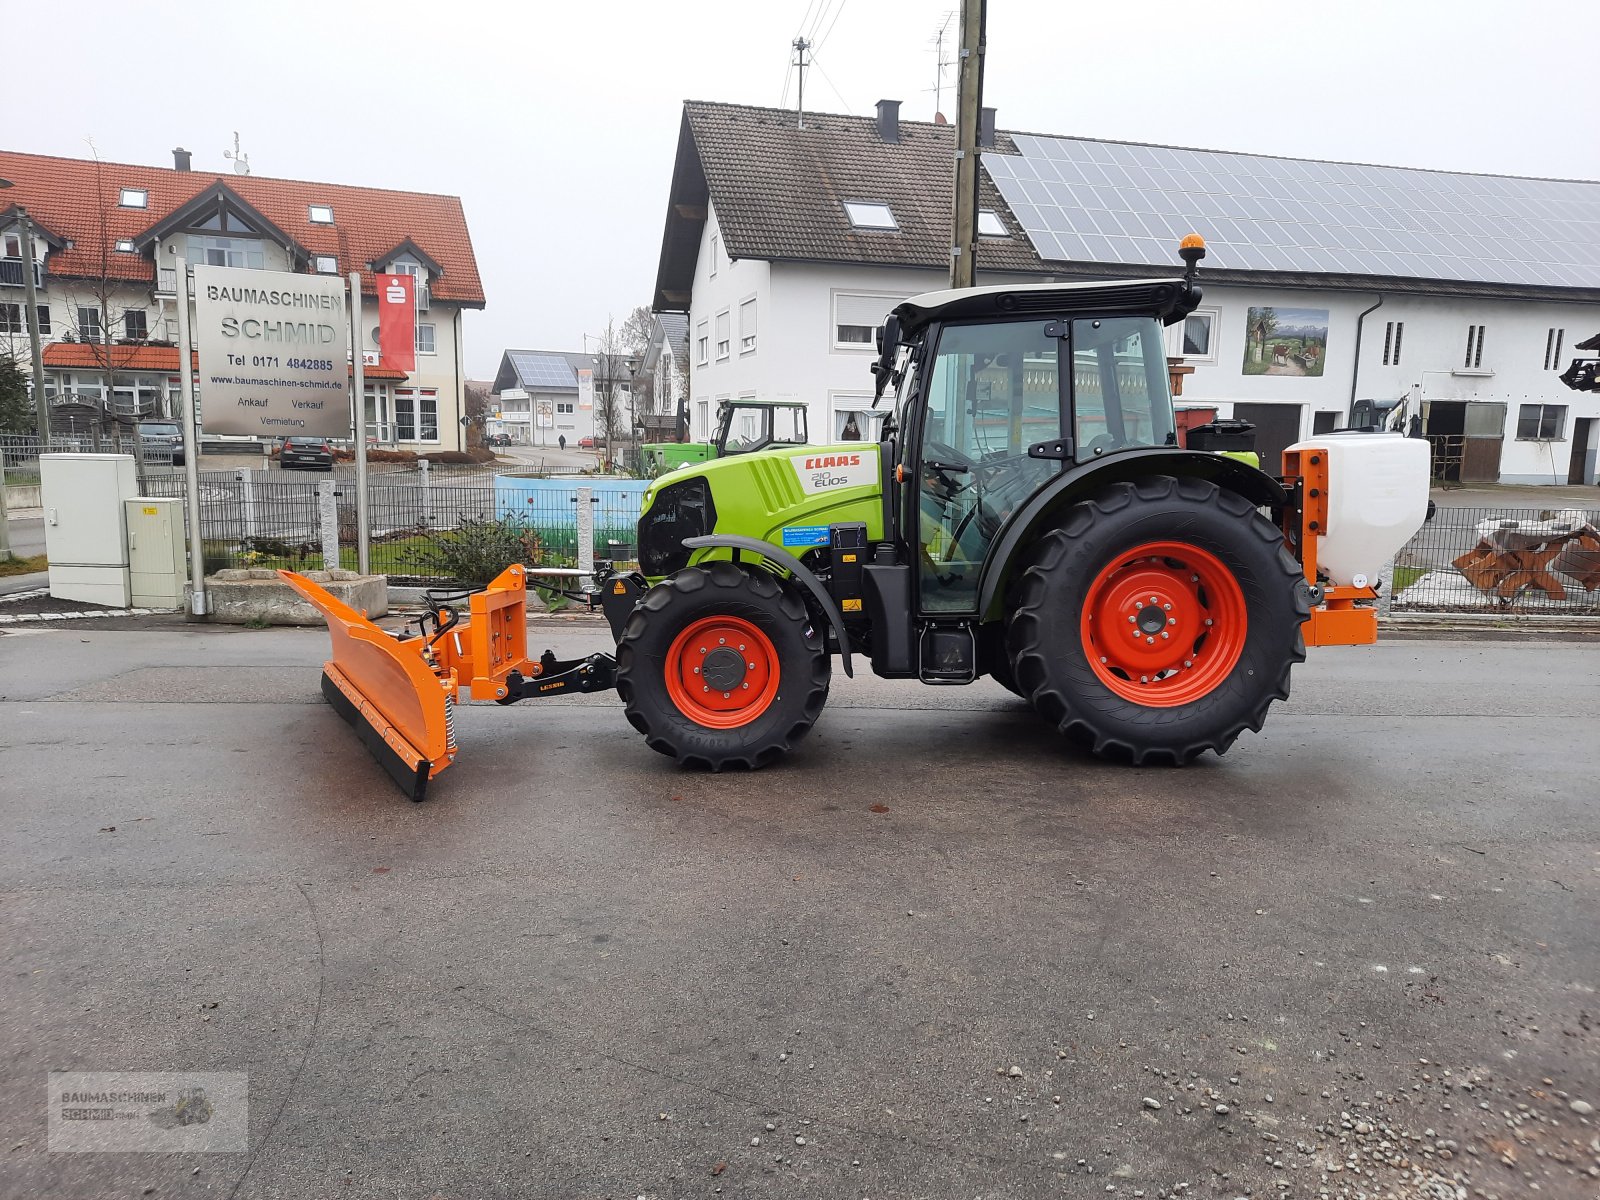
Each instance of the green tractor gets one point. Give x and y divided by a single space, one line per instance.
743 427
1027 515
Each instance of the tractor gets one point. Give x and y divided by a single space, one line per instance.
743 427
1027 516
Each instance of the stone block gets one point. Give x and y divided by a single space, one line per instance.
252 601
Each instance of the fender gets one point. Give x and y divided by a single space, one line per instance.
1072 485
803 573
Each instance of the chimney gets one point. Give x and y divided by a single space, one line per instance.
889 120
986 128
180 159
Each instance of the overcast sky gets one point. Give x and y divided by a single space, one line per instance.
556 122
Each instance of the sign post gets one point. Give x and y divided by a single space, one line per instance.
359 384
191 442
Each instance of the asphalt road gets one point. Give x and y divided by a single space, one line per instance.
953 958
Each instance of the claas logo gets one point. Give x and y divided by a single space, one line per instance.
833 460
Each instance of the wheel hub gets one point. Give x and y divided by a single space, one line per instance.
723 669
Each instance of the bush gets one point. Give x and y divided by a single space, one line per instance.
479 550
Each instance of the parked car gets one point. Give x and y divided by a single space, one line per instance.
161 441
307 453
498 439
586 443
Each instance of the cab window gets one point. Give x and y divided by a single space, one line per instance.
1120 387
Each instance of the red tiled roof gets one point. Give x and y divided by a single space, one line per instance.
62 194
78 356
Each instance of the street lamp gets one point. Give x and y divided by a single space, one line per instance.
40 408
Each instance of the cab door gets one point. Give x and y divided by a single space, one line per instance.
992 390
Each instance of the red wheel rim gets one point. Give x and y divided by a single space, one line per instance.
722 672
1164 624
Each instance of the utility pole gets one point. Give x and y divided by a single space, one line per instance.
41 407
800 47
969 106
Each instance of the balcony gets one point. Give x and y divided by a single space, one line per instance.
11 273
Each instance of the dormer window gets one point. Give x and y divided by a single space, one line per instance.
134 198
124 246
869 215
320 214
990 224
327 264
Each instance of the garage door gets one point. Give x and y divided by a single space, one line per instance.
1277 428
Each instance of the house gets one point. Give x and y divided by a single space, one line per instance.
108 236
1326 284
547 395
666 365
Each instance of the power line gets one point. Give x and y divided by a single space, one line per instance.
800 28
836 15
830 83
816 24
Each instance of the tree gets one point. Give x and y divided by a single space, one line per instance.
1263 324
477 414
16 407
609 376
636 330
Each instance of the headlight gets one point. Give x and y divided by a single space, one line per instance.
681 510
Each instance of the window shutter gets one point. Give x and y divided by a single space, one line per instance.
722 327
862 310
747 319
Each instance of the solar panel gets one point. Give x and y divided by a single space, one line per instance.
1073 198
536 371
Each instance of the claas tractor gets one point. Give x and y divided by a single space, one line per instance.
1026 515
743 427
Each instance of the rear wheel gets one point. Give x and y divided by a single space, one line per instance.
721 666
1158 621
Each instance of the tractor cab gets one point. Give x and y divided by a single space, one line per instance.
745 426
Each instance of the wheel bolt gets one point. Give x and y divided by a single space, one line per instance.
1194 579
722 641
1165 635
725 695
741 647
752 666
1102 658
697 670
1144 679
1172 620
1209 621
705 689
1166 608
1155 600
745 686
1150 640
702 649
1188 662
1133 618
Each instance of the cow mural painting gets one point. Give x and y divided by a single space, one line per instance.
1285 341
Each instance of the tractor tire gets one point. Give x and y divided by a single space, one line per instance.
721 666
1205 593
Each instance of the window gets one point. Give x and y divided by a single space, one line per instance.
1393 334
856 317
1552 349
134 198
211 251
320 214
990 224
1120 395
420 287
11 319
135 325
124 246
713 256
425 339
565 408
747 326
722 334
702 418
13 246
44 319
416 414
702 344
327 264
1541 422
869 215
1474 355
1195 338
89 324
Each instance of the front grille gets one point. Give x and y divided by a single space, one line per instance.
681 510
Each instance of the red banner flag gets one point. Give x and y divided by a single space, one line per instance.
397 321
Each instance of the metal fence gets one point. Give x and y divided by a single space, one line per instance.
426 526
1501 561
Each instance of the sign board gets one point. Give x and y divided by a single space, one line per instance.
585 388
274 352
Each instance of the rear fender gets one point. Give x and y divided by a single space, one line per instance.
1044 507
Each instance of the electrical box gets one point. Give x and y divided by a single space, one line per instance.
84 535
156 570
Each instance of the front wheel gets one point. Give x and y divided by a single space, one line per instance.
1158 621
721 666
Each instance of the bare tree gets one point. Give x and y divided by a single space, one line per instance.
609 376
477 414
636 330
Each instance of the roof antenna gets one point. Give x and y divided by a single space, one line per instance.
800 47
241 162
940 63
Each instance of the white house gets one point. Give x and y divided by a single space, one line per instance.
550 395
1325 283
108 237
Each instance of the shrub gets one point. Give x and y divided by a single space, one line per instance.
479 550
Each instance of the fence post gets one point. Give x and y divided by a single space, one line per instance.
586 530
328 518
247 499
427 492
1386 597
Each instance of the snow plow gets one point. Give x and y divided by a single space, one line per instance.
1027 515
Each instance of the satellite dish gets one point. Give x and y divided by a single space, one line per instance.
374 335
240 167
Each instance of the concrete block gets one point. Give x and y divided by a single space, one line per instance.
273 602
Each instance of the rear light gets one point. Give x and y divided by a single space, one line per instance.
327 449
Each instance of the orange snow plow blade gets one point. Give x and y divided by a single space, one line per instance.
388 691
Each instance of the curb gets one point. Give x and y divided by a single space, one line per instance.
20 618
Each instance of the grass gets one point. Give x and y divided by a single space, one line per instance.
17 478
1404 577
23 566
